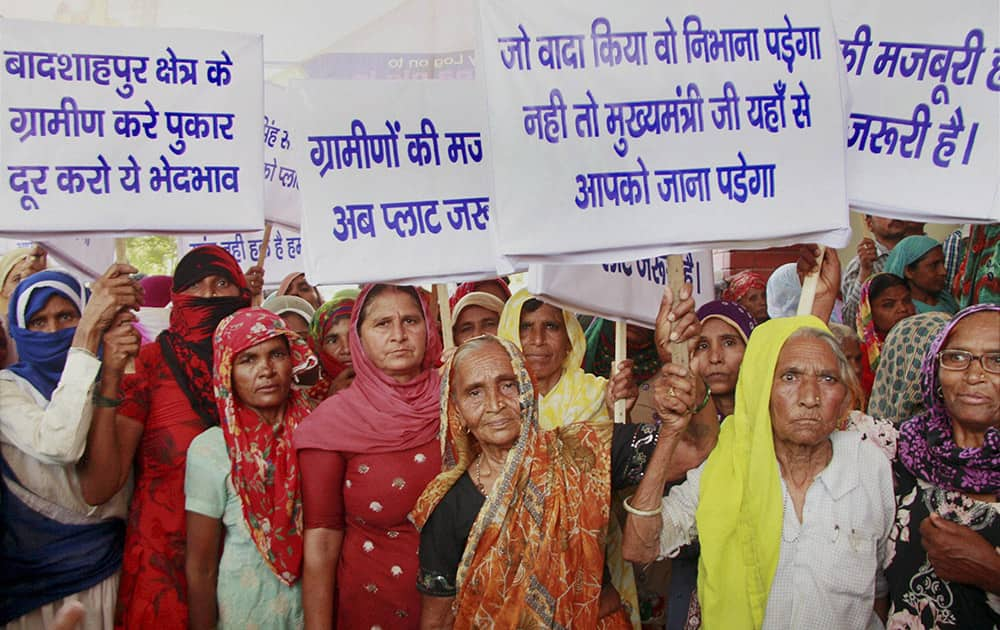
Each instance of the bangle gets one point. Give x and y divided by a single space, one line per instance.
638 512
104 401
704 403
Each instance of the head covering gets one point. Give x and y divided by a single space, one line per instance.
281 304
600 336
783 291
468 287
156 290
340 305
286 282
926 445
377 414
731 313
7 263
578 396
739 515
477 298
42 355
977 280
897 393
741 284
512 556
187 343
265 472
908 251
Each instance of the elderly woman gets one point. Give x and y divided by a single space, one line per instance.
242 481
944 568
920 261
366 454
512 533
474 314
793 516
749 290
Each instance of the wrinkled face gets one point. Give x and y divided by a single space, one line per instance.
301 288
891 306
807 395
755 301
335 343
887 229
972 395
718 354
262 375
58 313
213 286
474 321
28 265
485 394
852 350
544 341
296 323
393 334
928 273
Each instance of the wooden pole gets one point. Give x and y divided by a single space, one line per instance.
265 242
809 283
675 279
441 291
621 352
121 251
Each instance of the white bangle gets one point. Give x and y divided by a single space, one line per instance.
638 512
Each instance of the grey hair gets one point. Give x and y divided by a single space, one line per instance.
472 345
844 369
842 332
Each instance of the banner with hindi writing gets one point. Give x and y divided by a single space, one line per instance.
86 256
627 291
284 255
620 131
282 199
121 130
395 181
923 138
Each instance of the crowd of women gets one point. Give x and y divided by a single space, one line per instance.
331 465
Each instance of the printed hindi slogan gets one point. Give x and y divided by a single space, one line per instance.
640 128
395 181
117 130
282 198
922 137
284 254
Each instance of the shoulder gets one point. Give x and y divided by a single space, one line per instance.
210 444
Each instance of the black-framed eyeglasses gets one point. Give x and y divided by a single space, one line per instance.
960 360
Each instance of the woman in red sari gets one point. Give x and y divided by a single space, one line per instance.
167 403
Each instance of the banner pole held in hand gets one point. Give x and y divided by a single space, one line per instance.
441 291
265 242
809 283
675 279
121 251
621 352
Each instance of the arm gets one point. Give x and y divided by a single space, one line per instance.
959 554
320 552
201 566
435 613
621 386
828 285
851 287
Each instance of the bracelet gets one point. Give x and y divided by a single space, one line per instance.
704 403
637 511
104 401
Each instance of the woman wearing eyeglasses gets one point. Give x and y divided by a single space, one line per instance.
944 551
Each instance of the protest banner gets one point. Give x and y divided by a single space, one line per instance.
628 291
395 181
115 130
922 138
282 199
284 254
85 256
624 131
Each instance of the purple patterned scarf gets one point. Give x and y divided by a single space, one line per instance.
926 444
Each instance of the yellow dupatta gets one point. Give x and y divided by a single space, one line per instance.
739 515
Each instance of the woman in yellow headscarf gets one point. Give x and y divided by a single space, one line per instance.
793 516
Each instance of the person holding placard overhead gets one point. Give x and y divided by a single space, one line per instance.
871 257
366 454
168 401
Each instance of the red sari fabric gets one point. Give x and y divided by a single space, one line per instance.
153 588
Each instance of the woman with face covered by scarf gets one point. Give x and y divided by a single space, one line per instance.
167 403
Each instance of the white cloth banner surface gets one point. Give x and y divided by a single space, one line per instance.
395 181
284 255
621 131
121 130
85 256
629 291
923 138
282 199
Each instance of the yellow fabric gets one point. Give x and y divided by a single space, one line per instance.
7 263
739 514
577 397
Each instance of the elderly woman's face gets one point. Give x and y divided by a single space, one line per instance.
807 395
393 334
485 393
755 301
262 374
972 395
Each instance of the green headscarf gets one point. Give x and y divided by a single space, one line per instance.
905 253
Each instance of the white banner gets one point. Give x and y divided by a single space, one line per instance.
85 256
395 181
119 130
634 129
629 291
282 199
923 139
283 256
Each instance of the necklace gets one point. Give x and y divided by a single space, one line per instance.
479 476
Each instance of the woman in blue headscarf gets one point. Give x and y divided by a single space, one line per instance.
920 261
59 539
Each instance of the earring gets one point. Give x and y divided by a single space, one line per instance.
939 392
466 429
